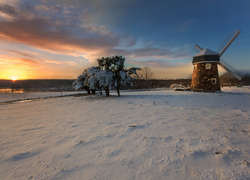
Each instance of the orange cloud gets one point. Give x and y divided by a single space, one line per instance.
29 61
51 61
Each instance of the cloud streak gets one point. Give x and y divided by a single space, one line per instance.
69 30
25 54
56 28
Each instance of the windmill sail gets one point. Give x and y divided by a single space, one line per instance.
234 72
198 47
230 42
226 40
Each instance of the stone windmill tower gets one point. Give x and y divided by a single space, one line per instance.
205 74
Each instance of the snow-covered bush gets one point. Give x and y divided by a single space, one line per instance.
179 87
176 86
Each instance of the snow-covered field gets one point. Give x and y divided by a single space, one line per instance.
140 135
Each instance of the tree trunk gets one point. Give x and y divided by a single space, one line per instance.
88 91
118 92
93 92
107 92
100 92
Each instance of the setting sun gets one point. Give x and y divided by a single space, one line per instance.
13 74
13 78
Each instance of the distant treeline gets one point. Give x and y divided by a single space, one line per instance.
157 83
227 80
66 84
245 81
52 84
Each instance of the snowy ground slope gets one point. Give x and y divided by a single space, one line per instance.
29 95
140 135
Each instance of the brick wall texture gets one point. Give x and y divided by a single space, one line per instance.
203 79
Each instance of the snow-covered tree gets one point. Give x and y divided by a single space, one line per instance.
99 79
121 76
105 63
109 74
79 83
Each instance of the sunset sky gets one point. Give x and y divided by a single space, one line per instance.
58 39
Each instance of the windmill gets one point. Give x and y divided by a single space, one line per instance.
205 74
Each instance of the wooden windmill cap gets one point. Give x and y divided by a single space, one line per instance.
206 52
205 56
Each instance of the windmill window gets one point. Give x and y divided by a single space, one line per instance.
213 80
208 66
195 66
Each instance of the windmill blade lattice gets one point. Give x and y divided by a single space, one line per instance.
227 39
234 72
230 42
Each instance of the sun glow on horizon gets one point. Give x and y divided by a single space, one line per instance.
13 75
13 78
